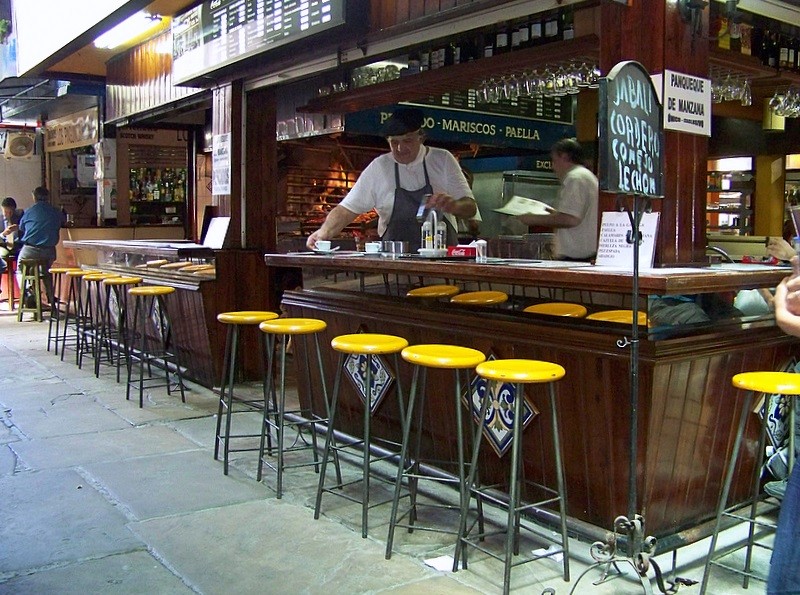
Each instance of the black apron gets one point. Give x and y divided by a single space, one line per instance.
403 224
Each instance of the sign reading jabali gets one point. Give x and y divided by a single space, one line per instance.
631 160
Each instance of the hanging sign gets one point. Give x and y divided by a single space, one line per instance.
687 103
221 164
613 249
630 126
468 127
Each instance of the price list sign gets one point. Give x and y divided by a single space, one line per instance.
220 32
631 159
546 109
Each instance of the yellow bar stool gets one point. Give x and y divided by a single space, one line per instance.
565 309
92 331
620 316
57 315
480 298
228 402
298 331
32 274
767 384
153 329
516 373
368 345
462 361
115 324
75 314
433 292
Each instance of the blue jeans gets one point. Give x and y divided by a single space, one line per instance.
784 571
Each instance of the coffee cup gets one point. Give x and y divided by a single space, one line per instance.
323 245
372 247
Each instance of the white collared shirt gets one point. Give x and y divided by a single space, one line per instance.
375 187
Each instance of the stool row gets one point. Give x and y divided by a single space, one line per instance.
469 528
467 365
94 322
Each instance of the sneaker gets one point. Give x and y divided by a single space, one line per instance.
776 489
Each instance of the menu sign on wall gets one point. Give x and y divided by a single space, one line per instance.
630 155
549 109
220 32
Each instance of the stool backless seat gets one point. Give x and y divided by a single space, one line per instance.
228 402
752 383
32 276
462 362
304 335
480 298
619 316
518 373
433 291
115 324
57 315
370 346
566 309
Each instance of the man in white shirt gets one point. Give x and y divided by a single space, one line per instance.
575 216
397 183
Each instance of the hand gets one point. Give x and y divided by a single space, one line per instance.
441 202
779 248
311 242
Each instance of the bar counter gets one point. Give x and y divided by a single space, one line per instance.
687 408
199 338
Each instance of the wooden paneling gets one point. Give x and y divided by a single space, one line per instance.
687 406
261 170
226 118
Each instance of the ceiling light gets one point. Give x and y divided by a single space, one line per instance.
138 25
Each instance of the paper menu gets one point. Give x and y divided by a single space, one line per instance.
520 205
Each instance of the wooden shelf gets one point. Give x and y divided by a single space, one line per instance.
763 79
458 77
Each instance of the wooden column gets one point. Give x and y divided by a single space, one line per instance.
227 118
261 170
669 43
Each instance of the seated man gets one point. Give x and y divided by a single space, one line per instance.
39 230
9 236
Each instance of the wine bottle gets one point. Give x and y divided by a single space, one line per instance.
736 37
783 51
537 32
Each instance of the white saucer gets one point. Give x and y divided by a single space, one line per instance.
330 251
432 252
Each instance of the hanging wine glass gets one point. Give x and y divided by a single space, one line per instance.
594 80
584 75
747 94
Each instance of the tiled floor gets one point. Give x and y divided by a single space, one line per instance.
99 496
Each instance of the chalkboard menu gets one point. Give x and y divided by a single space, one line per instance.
218 33
631 140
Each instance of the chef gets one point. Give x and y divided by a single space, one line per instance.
397 184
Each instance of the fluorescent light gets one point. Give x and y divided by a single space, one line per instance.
136 26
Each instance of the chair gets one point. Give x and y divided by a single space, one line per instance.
149 307
234 321
462 361
766 383
517 372
369 346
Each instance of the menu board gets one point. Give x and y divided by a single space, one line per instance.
630 131
546 109
218 33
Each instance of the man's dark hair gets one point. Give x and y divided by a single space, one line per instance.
41 193
9 202
571 148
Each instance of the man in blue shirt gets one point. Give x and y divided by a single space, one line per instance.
39 233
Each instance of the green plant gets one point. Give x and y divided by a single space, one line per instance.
5 29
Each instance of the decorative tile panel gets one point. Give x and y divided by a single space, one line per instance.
355 367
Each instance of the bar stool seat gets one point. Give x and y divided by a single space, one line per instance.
369 345
462 360
558 309
766 383
227 401
519 372
56 314
115 326
480 298
149 308
433 291
277 417
620 316
33 275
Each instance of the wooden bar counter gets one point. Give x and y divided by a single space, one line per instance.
687 408
200 296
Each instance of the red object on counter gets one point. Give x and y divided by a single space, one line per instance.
461 251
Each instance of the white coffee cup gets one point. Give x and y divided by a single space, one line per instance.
323 245
372 247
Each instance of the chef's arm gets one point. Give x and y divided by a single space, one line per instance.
463 207
336 221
